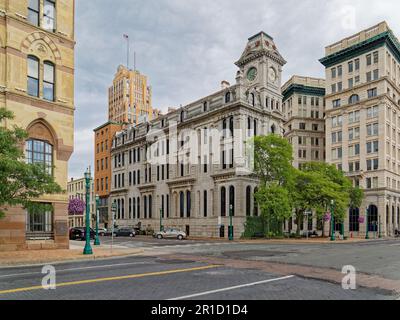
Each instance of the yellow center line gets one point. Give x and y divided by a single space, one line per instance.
132 276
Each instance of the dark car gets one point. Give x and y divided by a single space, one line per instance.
125 232
80 234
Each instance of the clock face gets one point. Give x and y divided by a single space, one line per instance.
272 75
252 74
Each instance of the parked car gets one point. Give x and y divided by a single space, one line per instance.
102 231
80 233
170 234
125 232
108 233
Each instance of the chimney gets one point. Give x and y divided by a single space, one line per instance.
225 84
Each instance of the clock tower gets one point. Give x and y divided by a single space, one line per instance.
260 73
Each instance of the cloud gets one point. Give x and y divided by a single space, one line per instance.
186 47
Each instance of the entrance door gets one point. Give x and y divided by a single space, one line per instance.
222 231
187 231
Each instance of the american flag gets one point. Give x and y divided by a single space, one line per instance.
126 36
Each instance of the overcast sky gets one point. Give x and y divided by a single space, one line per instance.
186 47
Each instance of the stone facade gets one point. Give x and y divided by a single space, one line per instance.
51 120
363 122
198 196
304 108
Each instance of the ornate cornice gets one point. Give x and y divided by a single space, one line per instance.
305 90
385 38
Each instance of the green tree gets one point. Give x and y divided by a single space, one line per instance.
274 204
329 184
20 183
273 156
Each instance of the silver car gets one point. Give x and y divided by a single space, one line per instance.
170 234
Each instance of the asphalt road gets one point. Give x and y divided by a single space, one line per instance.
151 278
159 276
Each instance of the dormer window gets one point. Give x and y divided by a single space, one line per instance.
252 99
205 106
182 118
227 97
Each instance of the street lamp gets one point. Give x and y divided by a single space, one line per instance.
333 238
88 249
230 223
97 240
367 225
113 211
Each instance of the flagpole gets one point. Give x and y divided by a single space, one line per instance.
127 55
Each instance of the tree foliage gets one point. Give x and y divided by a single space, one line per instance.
273 158
284 189
20 183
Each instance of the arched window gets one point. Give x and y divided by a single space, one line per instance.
273 129
354 222
223 202
119 209
182 116
231 126
393 215
205 203
49 15
205 106
138 207
232 200
248 201
252 99
145 206
373 218
39 152
134 207
188 203
227 97
255 127
255 212
123 209
387 216
354 99
33 12
150 207
182 204
48 81
224 126
130 208
33 76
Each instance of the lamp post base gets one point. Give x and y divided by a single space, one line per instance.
87 250
97 241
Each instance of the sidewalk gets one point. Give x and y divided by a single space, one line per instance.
75 253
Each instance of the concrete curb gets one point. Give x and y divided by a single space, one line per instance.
58 262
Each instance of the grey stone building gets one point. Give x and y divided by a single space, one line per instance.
191 168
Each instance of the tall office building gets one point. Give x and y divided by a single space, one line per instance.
129 97
363 122
304 108
37 85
